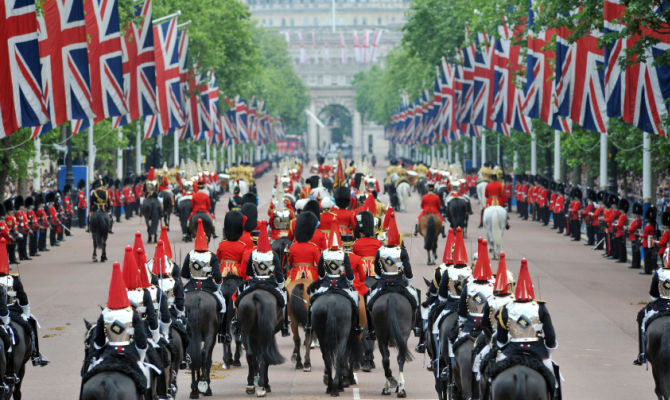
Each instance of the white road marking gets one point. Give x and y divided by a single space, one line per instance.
357 394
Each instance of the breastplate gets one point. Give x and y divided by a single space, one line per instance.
167 286
8 282
478 294
199 264
664 283
496 303
262 264
333 262
457 277
523 322
391 263
282 220
118 326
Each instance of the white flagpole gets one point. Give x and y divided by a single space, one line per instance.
37 180
91 153
161 19
175 142
138 148
646 167
557 155
603 161
119 156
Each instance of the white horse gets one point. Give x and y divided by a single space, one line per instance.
495 219
481 192
242 184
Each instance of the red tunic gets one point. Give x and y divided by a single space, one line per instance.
230 255
621 225
247 241
430 204
559 204
303 259
82 199
4 231
596 216
359 274
277 233
575 206
345 219
634 226
327 219
200 202
663 243
648 237
495 194
366 248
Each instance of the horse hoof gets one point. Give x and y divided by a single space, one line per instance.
402 394
208 392
225 365
194 395
325 380
94 259
250 389
307 367
103 259
365 367
260 392
294 357
392 382
268 389
237 363
299 365
386 392
203 387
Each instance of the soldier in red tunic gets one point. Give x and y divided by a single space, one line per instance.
8 229
22 228
231 249
634 235
200 202
304 254
648 236
81 203
665 238
366 244
344 217
495 195
430 204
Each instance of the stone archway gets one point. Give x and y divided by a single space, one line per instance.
340 108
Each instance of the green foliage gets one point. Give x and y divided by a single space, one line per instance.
16 155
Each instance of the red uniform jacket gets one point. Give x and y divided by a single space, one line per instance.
552 201
303 259
4 231
32 218
366 248
648 236
200 202
663 243
81 199
22 222
575 206
274 232
326 221
634 226
621 225
67 203
359 274
42 218
587 211
559 204
430 204
345 219
248 242
596 216
230 255
495 194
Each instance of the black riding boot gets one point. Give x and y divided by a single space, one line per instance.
371 325
38 359
11 252
481 218
640 345
419 331
284 328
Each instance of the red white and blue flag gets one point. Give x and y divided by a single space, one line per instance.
483 49
166 53
213 106
241 120
21 99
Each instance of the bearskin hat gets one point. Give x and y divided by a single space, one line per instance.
602 196
249 198
39 199
305 226
365 224
560 188
593 196
29 202
665 218
117 183
67 188
342 194
233 225
612 200
320 160
2 211
314 207
624 205
18 202
9 205
637 208
50 197
552 185
576 192
81 184
651 213
313 181
251 212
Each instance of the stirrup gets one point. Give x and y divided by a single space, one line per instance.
640 360
371 334
420 348
40 361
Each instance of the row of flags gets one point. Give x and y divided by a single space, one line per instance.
495 86
71 64
365 49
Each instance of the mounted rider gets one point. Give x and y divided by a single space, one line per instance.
475 294
366 244
495 194
343 216
430 204
99 201
304 254
231 249
200 202
18 305
393 271
280 218
525 329
250 221
235 202
658 307
328 217
201 268
120 337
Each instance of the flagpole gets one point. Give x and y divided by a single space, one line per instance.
646 168
119 155
483 156
37 181
175 143
91 153
449 151
207 153
603 161
557 155
533 154
474 152
138 149
161 19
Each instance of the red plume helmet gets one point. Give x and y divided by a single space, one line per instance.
448 258
140 255
524 285
166 242
482 271
392 235
460 253
263 245
335 239
131 275
502 285
4 257
159 259
390 213
370 205
200 238
118 298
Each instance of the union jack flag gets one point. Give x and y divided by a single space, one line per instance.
241 120
21 99
482 48
139 67
467 85
636 93
66 80
192 127
213 103
510 64
151 128
447 124
166 53
580 90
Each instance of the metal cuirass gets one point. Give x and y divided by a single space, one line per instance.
478 294
136 299
664 283
8 282
333 262
282 220
457 277
391 263
496 303
523 322
200 264
262 264
118 326
167 286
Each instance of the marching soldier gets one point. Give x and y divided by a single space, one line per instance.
81 203
575 206
648 246
621 255
11 230
634 235
33 226
22 228
67 209
588 215
42 221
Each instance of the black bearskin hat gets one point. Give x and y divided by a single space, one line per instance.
637 208
624 205
232 225
576 192
251 212
314 207
305 226
50 197
117 183
29 202
342 194
9 205
81 184
560 188
612 200
2 211
250 198
313 181
651 213
18 202
552 186
320 160
236 190
67 188
665 218
39 199
592 195
602 196
365 224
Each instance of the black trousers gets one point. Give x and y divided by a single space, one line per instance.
649 259
42 240
635 248
11 252
576 229
68 225
52 236
623 253
117 213
81 217
600 234
32 244
22 245
590 234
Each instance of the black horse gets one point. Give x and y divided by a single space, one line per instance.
167 200
657 349
151 210
183 211
99 226
203 321
280 247
458 211
207 224
228 288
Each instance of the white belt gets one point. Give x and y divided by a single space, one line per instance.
124 343
333 276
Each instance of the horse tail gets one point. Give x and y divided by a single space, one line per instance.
195 339
520 379
298 305
429 239
265 337
394 327
496 228
405 194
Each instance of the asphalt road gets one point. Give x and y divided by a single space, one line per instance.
593 303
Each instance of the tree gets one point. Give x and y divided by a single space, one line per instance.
17 153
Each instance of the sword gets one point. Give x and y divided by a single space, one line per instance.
598 243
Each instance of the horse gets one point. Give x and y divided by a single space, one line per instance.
393 320
151 210
438 349
184 210
332 322
421 185
203 321
177 352
430 226
228 288
402 189
207 224
260 317
458 212
520 382
167 201
463 366
393 195
368 361
481 190
99 227
280 248
495 219
657 349
298 306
